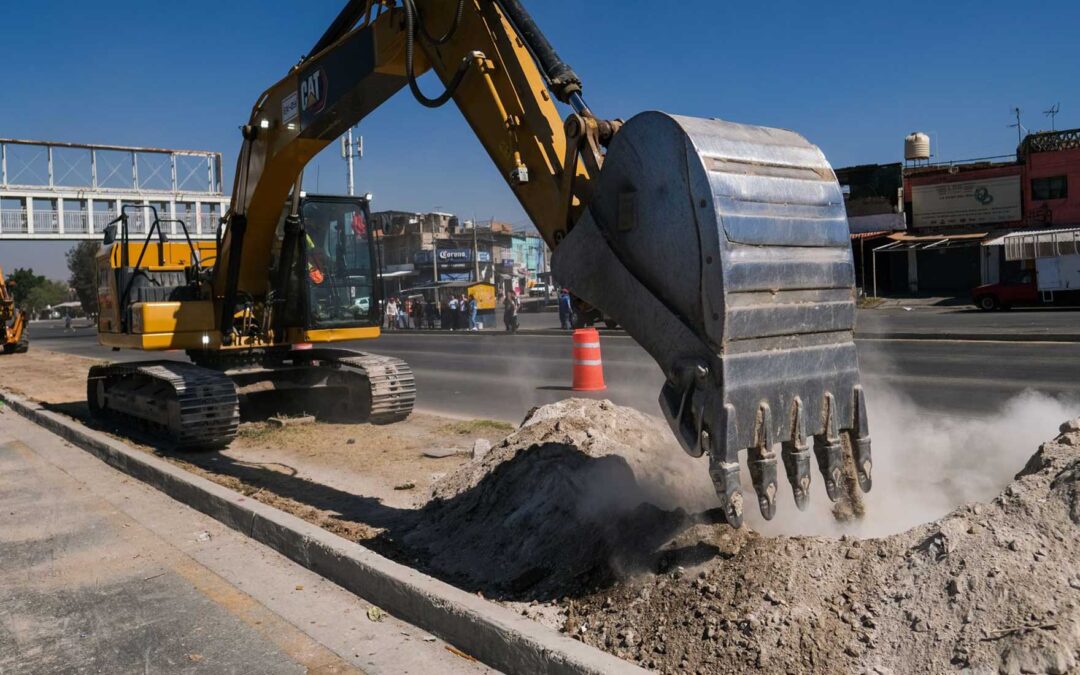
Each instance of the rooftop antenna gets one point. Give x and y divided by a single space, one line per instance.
1052 113
1019 127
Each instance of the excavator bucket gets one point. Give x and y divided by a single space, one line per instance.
723 249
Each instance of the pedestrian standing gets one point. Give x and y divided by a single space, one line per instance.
418 313
429 313
391 313
511 305
463 313
452 310
566 310
472 313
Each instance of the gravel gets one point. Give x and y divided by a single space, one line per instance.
585 518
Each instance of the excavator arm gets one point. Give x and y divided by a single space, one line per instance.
722 248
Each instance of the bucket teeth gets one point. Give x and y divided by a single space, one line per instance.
796 454
763 475
725 477
860 435
797 464
830 459
762 461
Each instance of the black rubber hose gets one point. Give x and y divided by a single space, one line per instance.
450 31
410 74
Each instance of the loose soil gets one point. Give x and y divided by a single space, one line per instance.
588 518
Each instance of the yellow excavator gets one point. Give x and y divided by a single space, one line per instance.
722 248
14 338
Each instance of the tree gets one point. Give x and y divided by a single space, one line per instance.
82 263
23 281
45 295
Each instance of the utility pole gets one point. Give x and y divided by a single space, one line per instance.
475 252
349 149
434 253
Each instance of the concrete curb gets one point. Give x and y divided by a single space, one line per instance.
493 634
972 337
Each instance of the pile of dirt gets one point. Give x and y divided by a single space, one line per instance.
571 501
586 504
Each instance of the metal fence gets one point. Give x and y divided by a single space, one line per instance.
46 222
13 221
76 222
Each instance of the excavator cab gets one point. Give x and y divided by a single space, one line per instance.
339 263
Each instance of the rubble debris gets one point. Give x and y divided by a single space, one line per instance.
283 421
582 518
442 453
481 447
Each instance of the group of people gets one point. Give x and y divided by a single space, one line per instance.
456 312
459 312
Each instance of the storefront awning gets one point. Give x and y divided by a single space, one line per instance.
903 241
855 236
1032 244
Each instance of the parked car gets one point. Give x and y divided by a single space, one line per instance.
1003 295
539 291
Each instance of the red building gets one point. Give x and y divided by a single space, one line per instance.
1051 167
957 214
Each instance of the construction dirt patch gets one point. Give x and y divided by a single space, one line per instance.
588 518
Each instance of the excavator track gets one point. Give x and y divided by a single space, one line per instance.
388 384
193 407
337 385
391 383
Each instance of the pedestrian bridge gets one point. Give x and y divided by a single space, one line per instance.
58 191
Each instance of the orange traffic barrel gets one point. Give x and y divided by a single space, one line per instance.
588 369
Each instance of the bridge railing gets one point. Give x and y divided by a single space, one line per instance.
13 221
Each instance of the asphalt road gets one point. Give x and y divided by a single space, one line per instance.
499 376
1027 322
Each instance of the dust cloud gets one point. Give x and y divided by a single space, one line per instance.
926 463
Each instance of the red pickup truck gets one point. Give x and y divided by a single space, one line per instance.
1003 295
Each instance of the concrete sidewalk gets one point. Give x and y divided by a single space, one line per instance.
105 574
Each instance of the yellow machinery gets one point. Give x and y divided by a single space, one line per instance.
722 248
14 338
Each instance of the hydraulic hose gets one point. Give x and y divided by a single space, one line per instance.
411 20
564 82
450 31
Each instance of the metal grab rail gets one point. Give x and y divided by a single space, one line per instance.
162 239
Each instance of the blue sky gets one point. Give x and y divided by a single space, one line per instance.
852 77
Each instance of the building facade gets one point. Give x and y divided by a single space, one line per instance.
422 249
955 215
